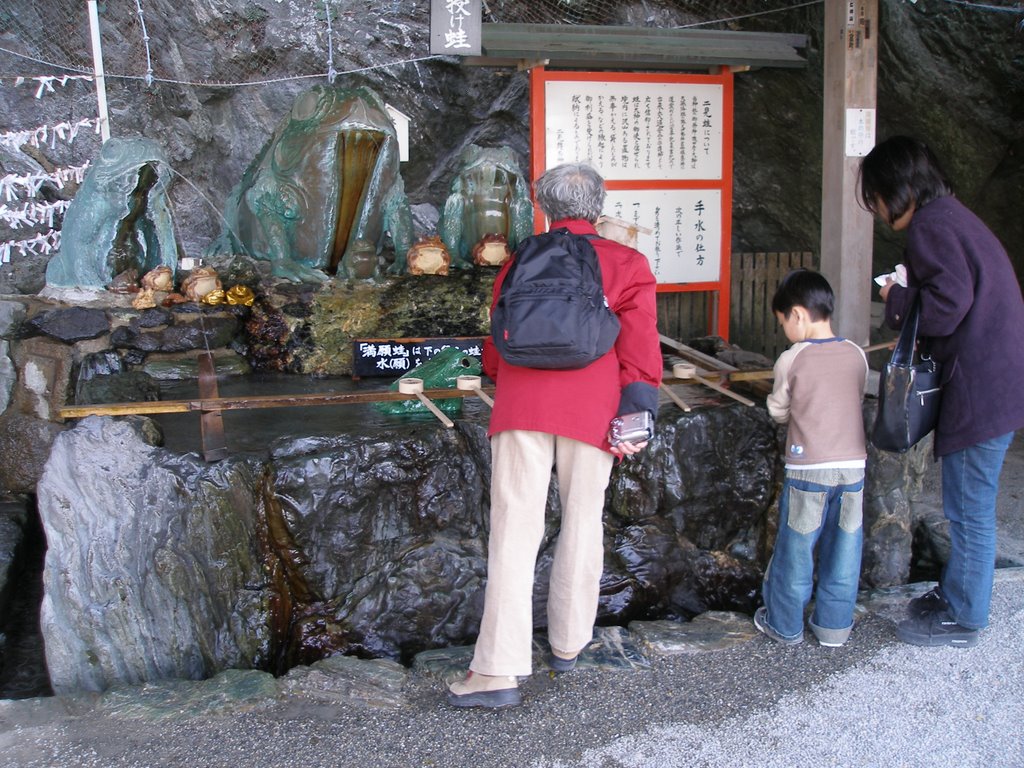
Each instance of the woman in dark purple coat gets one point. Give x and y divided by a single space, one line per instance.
972 321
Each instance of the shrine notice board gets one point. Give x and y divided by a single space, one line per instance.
663 143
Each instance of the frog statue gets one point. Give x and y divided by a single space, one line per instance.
439 372
119 221
327 180
489 196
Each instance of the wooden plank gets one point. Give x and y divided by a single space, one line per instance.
495 31
594 46
694 356
211 422
255 402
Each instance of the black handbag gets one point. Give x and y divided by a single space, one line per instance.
908 393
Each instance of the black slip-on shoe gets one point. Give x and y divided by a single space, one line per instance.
503 697
936 629
559 665
930 602
492 692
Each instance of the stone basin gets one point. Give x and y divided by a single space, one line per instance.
341 530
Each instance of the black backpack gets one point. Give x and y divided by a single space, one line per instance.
552 311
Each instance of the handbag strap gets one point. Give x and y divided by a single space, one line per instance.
903 353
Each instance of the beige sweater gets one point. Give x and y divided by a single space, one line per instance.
819 387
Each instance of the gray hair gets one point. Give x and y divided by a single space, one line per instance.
570 191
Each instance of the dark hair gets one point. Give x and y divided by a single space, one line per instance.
807 289
901 172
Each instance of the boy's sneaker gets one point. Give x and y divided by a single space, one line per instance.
929 602
831 638
935 629
762 626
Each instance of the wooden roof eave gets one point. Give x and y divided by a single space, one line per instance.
593 47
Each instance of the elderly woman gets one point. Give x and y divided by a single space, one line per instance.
560 418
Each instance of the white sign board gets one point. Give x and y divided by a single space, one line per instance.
636 130
860 132
455 27
685 240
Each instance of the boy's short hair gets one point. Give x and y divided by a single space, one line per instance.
804 288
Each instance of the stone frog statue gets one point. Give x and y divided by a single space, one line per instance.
119 221
489 196
327 180
439 372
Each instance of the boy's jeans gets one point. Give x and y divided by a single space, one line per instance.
970 483
823 509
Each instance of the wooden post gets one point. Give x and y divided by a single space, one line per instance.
98 75
851 69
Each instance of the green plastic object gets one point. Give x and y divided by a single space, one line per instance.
439 372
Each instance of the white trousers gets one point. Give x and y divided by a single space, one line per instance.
520 476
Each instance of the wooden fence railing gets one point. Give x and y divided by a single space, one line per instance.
752 326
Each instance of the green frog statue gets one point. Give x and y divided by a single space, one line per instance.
323 190
439 372
489 197
120 220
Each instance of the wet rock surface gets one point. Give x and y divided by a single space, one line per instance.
154 567
22 671
367 544
371 541
70 324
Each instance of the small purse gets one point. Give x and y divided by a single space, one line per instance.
908 393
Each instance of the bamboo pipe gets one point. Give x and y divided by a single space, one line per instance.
412 386
472 384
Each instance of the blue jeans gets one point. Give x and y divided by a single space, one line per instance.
970 483
819 509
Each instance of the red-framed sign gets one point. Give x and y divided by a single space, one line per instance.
663 143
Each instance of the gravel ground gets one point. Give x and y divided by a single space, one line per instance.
874 702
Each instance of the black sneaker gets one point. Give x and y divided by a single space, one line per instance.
934 629
930 602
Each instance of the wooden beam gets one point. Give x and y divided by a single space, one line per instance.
601 47
850 76
254 402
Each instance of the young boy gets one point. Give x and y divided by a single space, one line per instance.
819 386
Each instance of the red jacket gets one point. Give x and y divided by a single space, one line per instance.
579 404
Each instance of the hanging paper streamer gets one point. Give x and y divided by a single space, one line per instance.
32 214
64 131
43 243
46 82
29 185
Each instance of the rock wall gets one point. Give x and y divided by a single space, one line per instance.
948 73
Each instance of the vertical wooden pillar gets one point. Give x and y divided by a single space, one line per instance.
851 67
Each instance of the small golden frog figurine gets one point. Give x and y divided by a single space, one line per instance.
240 294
